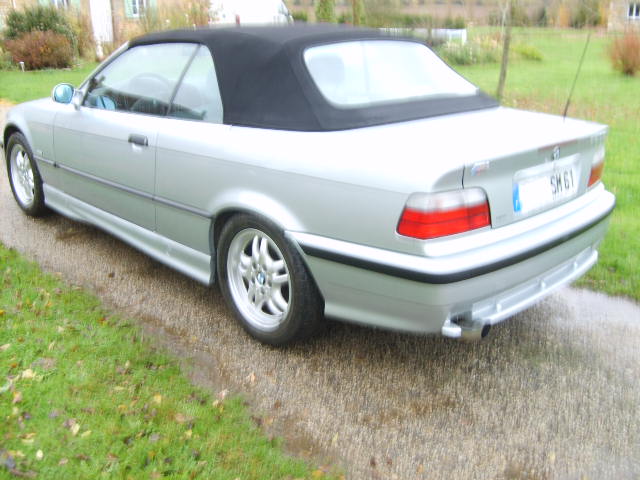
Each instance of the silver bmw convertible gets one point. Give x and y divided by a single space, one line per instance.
319 171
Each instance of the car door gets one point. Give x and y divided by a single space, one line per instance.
106 148
191 166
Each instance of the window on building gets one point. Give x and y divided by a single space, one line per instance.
60 3
137 7
634 10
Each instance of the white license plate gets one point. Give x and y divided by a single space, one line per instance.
535 193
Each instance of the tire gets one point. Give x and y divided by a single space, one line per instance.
24 177
265 282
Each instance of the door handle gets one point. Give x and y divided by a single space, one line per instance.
139 140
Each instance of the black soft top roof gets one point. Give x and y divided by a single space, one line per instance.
265 83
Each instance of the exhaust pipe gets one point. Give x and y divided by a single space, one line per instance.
465 328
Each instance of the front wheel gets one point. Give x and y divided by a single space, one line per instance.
24 176
266 283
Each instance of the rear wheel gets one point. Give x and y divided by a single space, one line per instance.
24 177
266 283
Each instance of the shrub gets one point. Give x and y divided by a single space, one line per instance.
348 16
41 50
454 23
471 53
38 18
528 52
83 33
6 62
175 15
625 53
389 19
300 16
587 14
541 18
325 11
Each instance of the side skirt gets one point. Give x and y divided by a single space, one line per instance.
188 261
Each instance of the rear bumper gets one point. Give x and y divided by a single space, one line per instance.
482 285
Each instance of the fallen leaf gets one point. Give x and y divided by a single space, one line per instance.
112 457
85 434
28 374
317 474
39 455
75 429
157 398
223 394
60 329
83 457
5 347
334 440
188 434
17 397
69 422
7 460
51 345
1 312
63 461
45 363
182 418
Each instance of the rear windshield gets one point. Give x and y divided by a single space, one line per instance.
372 72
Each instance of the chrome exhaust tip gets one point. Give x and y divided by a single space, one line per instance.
465 328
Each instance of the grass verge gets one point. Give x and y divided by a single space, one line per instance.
83 395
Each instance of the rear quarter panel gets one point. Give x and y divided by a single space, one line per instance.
348 185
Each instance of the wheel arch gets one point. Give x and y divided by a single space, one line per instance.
224 215
9 130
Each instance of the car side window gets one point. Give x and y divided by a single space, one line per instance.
198 96
141 80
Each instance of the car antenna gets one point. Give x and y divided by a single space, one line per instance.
575 80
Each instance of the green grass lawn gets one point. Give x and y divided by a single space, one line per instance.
602 95
84 396
18 86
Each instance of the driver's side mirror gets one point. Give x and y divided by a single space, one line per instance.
63 93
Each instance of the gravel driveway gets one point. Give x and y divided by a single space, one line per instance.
553 393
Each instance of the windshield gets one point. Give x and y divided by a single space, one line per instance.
370 72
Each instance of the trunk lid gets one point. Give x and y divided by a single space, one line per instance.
543 161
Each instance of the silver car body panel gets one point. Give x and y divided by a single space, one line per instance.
338 196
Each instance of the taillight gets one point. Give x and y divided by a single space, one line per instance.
432 215
597 167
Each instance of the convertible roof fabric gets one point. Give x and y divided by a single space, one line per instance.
264 81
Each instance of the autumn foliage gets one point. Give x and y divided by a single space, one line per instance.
625 53
41 50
